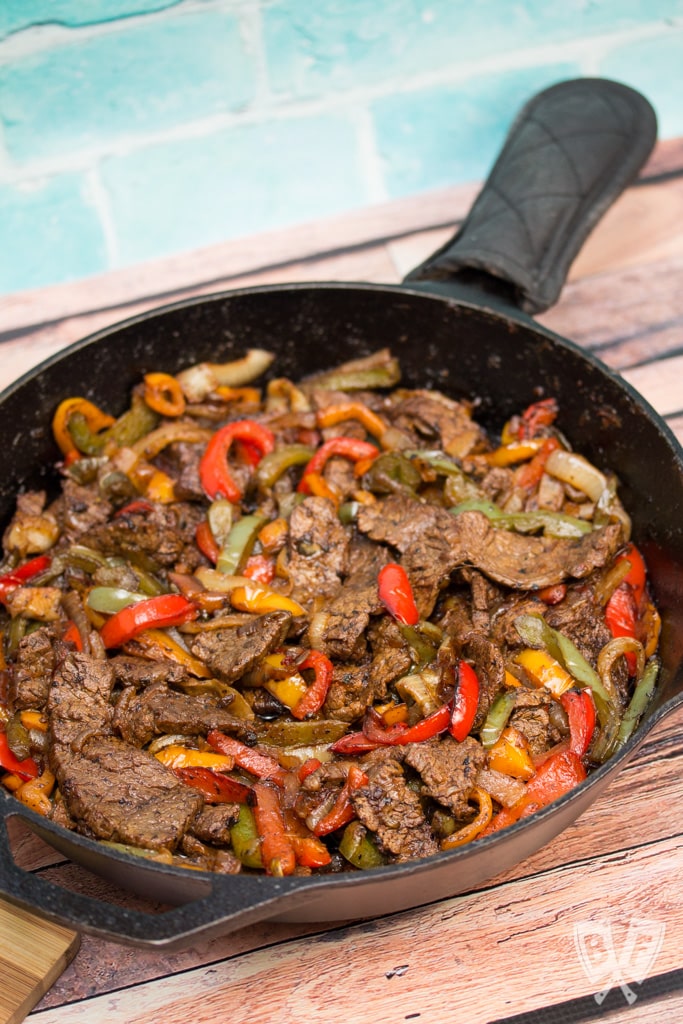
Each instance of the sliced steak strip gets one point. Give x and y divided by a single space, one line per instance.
390 808
79 701
80 509
229 653
146 538
139 717
438 419
350 692
140 672
212 824
338 631
31 675
489 665
448 770
318 548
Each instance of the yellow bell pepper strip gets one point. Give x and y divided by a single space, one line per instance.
543 670
164 394
22 574
559 774
288 691
164 610
95 419
537 417
258 599
347 447
239 544
277 852
34 720
272 466
357 847
580 710
465 702
214 787
475 827
510 754
518 451
160 487
396 594
245 396
253 761
214 474
317 485
35 793
334 414
315 695
26 768
177 756
342 811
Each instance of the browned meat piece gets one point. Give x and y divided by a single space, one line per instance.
485 598
78 705
532 718
503 630
180 461
141 672
212 824
434 542
448 770
456 620
581 619
338 631
433 420
81 509
31 674
389 807
116 792
490 668
318 547
147 538
503 788
32 530
391 657
138 717
229 653
350 693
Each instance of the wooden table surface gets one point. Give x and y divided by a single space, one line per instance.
509 949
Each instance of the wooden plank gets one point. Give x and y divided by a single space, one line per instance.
506 931
33 953
661 383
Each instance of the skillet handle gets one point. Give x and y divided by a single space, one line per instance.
571 151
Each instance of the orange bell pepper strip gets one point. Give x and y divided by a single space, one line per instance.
510 754
164 394
558 775
396 594
348 447
252 761
310 852
206 542
214 474
94 417
529 475
72 635
470 831
277 851
164 610
334 414
260 568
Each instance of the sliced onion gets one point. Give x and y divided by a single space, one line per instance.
615 649
200 380
573 469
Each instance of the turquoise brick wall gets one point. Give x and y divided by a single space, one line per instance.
134 129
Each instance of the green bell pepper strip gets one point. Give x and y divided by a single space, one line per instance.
639 701
273 465
497 718
239 544
245 840
392 473
358 849
109 600
553 524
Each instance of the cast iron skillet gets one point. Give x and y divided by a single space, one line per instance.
459 323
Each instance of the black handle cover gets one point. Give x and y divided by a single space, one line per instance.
571 151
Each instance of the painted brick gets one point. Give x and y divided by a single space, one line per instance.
143 77
16 15
178 196
655 66
437 137
50 233
313 49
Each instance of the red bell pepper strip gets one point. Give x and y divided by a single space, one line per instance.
342 811
621 616
307 768
215 477
559 774
72 635
25 769
348 447
310 852
156 612
636 576
552 595
465 702
537 415
252 761
277 852
580 710
215 787
260 568
354 743
315 695
206 542
11 580
529 474
400 734
396 594
137 505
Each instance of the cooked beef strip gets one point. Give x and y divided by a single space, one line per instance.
442 421
157 710
212 824
532 718
350 693
581 619
339 630
448 770
489 665
80 509
79 701
391 657
318 547
31 673
180 461
390 808
229 653
434 542
141 672
503 788
147 538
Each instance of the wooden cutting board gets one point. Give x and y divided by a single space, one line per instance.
33 953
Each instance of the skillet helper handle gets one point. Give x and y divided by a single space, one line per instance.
571 151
